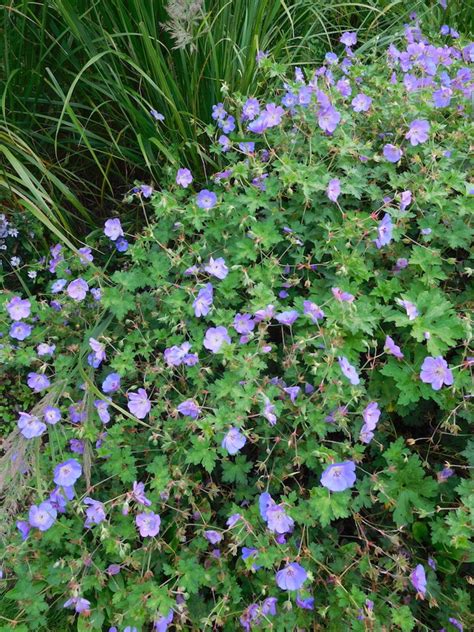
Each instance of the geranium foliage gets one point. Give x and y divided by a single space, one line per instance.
255 413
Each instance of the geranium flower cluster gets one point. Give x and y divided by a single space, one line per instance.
258 360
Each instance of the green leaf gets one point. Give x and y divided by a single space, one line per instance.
201 453
403 617
326 506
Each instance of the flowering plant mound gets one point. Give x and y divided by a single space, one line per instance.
255 414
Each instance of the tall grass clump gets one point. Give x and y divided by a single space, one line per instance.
82 78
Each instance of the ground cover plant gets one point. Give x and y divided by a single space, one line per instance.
255 413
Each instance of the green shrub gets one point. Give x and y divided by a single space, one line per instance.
313 301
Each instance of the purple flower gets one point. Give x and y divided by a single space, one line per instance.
432 563
96 291
442 97
206 199
392 348
305 604
418 579
225 143
333 189
331 58
30 426
457 624
20 330
392 153
371 415
269 606
328 119
265 501
445 473
161 624
250 109
214 537
85 255
157 115
361 102
178 355
215 337
184 178
98 348
122 246
24 529
247 148
18 308
405 200
79 603
227 125
217 268
287 318
76 445
264 314
339 476
349 371
418 132
233 441
139 404
410 308
384 231
145 190
203 302
313 311
292 577
111 383
102 407
44 349
77 412
78 289
342 296
435 371
289 99
243 323
51 415
95 512
148 524
232 520
336 413
273 115
278 521
349 38
218 112
293 392
113 569
58 500
189 409
138 493
252 554
67 473
269 412
343 86
43 516
401 264
38 382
